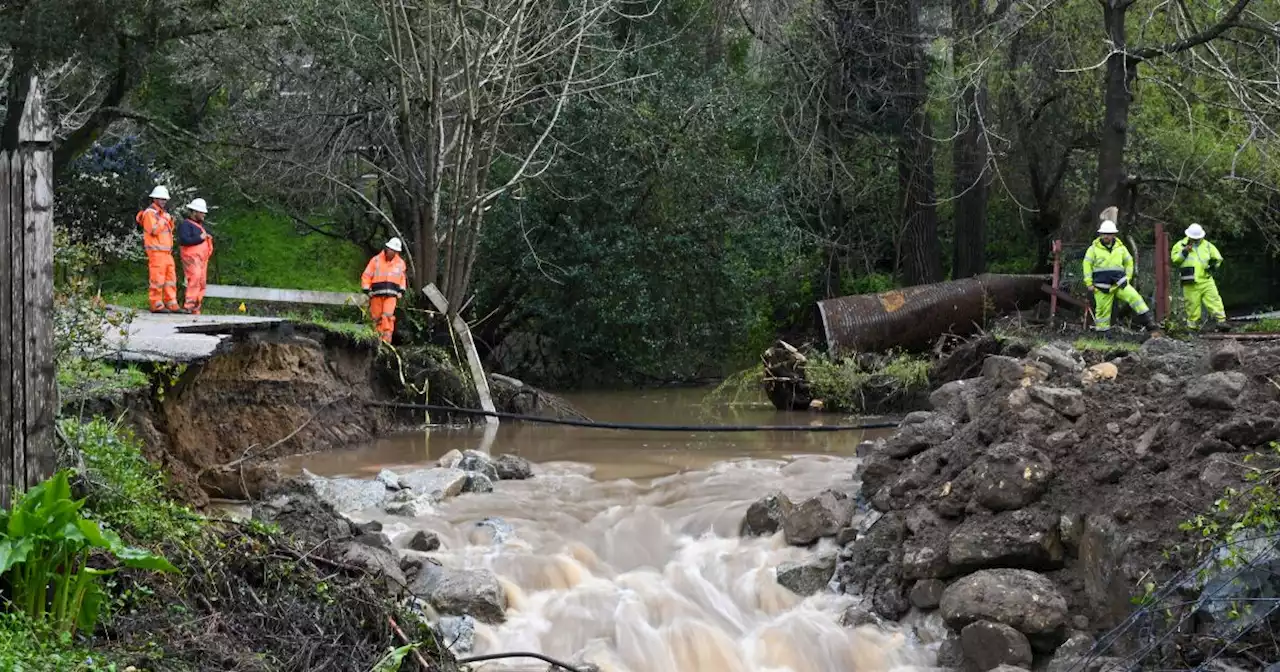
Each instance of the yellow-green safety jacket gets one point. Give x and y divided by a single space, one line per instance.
1106 269
1196 266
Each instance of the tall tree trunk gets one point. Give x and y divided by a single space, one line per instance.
920 253
1117 99
969 154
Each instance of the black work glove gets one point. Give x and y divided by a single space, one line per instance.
1186 249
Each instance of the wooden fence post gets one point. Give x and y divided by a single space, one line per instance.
27 384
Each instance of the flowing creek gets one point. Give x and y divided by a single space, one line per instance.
623 549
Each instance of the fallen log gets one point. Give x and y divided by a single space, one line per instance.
912 318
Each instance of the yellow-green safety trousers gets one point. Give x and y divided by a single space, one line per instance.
1198 287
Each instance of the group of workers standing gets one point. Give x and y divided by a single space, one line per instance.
1108 274
384 279
195 247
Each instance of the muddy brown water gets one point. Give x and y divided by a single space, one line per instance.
623 550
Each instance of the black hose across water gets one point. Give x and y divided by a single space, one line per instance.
875 424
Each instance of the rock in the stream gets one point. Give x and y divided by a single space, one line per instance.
1221 390
808 577
1023 539
438 483
765 515
920 431
513 467
1019 598
926 594
409 505
817 517
390 479
473 592
346 494
858 616
1062 360
1067 401
477 482
988 645
951 654
421 540
1010 476
491 531
458 633
450 459
374 539
377 561
478 462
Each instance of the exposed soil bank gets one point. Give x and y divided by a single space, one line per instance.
216 425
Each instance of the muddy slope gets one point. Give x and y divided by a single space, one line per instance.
1029 485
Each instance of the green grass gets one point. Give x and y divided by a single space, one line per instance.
254 248
1094 344
842 384
1268 325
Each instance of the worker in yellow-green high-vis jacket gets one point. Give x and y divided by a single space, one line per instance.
1196 259
1108 272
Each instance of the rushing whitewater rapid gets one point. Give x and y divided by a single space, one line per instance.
651 576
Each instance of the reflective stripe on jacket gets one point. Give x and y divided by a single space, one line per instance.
1195 267
1105 268
157 229
384 278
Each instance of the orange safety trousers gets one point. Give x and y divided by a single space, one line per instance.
163 287
195 266
382 309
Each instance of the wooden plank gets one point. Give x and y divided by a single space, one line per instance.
284 295
17 469
41 392
8 358
473 356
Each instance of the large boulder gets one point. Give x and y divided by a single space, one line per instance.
346 494
1023 539
477 462
988 645
1248 431
808 577
380 562
1010 476
920 431
1019 598
1228 356
765 515
926 594
1221 390
872 567
925 560
817 517
473 592
512 467
439 483
405 503
953 398
1067 401
1062 359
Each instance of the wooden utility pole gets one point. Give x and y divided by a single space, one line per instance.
27 387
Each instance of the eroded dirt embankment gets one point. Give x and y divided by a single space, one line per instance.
216 424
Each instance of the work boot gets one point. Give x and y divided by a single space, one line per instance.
1148 322
1221 327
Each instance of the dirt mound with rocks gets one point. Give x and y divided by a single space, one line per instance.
1037 498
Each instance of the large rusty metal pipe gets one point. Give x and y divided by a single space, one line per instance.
912 318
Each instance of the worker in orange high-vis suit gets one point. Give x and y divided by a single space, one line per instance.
384 281
196 247
157 240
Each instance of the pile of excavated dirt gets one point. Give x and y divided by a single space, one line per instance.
1036 499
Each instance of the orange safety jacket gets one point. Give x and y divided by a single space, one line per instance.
157 229
384 278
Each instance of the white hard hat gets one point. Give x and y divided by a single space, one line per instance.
1108 226
198 205
160 191
394 244
1195 232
